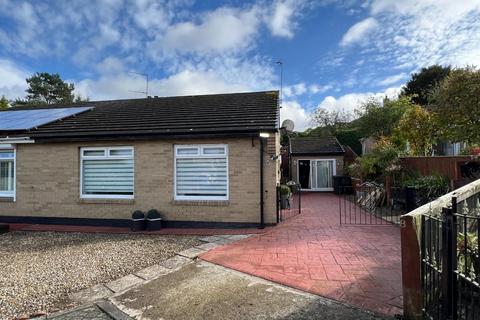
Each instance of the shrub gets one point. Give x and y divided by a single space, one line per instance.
379 162
285 190
428 188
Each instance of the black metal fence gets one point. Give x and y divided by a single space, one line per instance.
289 205
372 204
450 244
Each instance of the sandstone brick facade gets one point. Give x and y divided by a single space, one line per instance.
48 183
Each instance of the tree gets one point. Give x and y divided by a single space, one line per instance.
4 103
46 88
331 121
424 82
378 119
419 128
456 105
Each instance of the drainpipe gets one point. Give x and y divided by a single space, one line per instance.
262 222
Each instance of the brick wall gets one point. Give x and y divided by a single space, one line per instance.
48 183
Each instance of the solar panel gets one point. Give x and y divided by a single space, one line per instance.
29 119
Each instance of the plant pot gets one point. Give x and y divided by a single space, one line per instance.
138 225
285 201
138 221
154 224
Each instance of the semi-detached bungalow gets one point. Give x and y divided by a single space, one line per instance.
202 161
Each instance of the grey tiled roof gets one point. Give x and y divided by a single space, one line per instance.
316 146
169 116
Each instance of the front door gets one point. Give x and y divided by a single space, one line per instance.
304 173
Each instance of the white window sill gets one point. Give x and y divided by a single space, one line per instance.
197 202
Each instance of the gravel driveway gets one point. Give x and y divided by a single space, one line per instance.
39 269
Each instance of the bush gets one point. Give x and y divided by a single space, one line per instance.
285 190
428 188
380 162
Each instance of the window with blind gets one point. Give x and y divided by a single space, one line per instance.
201 172
7 173
107 172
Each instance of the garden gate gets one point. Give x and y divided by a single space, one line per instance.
372 204
450 261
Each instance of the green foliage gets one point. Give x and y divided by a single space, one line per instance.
376 164
350 136
377 119
428 188
285 190
467 247
46 88
422 83
419 128
332 121
456 105
4 103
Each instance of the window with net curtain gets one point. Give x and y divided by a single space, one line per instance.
7 173
201 172
107 172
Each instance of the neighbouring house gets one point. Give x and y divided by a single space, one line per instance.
207 160
368 144
314 162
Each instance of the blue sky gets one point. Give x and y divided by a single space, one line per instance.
335 53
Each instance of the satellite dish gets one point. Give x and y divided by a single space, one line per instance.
288 124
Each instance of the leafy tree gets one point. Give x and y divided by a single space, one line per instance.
377 119
46 88
424 82
331 121
419 128
456 105
4 103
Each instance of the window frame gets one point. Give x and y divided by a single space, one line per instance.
13 193
106 156
200 154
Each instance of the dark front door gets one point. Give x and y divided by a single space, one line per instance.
304 173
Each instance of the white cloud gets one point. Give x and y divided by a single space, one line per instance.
12 80
280 22
350 102
225 29
216 76
393 79
293 110
359 31
316 88
417 33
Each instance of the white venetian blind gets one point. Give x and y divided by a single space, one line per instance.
109 173
201 172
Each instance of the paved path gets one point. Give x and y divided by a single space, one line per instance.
359 265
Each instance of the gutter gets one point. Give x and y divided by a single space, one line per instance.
15 140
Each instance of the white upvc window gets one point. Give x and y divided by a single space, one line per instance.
201 172
7 173
107 173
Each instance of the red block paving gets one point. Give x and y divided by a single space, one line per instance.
359 265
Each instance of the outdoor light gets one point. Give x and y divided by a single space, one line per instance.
264 134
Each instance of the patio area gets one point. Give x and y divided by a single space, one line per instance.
358 265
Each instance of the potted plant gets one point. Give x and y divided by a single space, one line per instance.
285 194
154 220
138 221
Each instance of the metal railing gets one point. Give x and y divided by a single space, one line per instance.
450 261
291 205
371 204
